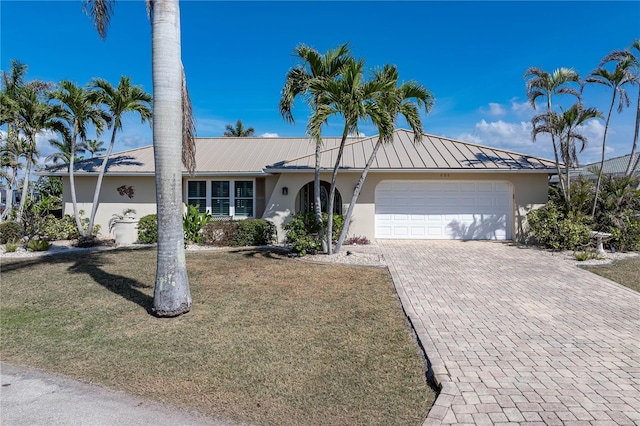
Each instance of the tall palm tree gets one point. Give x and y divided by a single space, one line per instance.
173 137
632 54
118 101
566 126
352 97
615 80
313 66
406 100
82 107
33 116
63 153
238 131
540 83
95 147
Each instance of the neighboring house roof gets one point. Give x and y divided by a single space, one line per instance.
616 167
259 156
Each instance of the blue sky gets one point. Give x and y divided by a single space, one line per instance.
471 55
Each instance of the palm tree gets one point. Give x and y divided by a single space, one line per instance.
566 127
173 132
95 146
351 97
118 101
33 116
82 110
238 131
314 66
619 56
11 153
63 153
540 83
406 100
615 80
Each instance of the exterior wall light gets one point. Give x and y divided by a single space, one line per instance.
285 190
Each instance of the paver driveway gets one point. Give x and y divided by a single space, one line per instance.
515 335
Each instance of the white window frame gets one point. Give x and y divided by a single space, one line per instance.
232 198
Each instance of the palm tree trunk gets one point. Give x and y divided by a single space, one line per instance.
604 146
72 185
354 197
332 191
103 167
171 295
631 168
25 186
317 203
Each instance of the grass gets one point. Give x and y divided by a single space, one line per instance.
269 340
625 272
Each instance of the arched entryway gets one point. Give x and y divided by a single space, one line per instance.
305 200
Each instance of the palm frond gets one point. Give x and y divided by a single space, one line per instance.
188 130
100 12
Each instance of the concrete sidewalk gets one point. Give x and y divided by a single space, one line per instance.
517 336
32 397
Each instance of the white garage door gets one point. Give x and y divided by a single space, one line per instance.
440 210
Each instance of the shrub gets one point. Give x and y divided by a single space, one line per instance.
303 232
357 240
193 222
148 229
11 232
38 245
254 232
53 228
581 256
219 233
549 227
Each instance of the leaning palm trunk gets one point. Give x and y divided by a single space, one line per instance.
332 191
171 295
354 197
604 146
25 188
631 168
72 185
103 167
317 207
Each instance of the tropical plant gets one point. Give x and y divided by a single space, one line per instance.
95 147
406 100
81 106
11 232
63 153
193 222
148 229
632 55
566 126
173 132
34 115
238 131
540 83
313 67
11 153
118 101
615 80
38 245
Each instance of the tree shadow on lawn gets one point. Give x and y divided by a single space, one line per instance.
92 263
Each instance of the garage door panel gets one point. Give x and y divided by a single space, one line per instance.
443 210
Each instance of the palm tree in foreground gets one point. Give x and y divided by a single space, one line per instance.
173 132
406 100
540 83
125 98
238 131
314 66
82 109
615 80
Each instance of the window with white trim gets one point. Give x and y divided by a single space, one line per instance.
234 198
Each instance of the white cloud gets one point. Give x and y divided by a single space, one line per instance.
269 135
495 110
357 135
522 109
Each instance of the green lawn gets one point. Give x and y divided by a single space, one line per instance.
625 272
269 340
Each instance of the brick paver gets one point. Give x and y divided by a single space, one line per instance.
516 336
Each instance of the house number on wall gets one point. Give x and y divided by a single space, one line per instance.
445 175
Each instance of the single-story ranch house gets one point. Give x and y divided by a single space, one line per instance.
438 189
